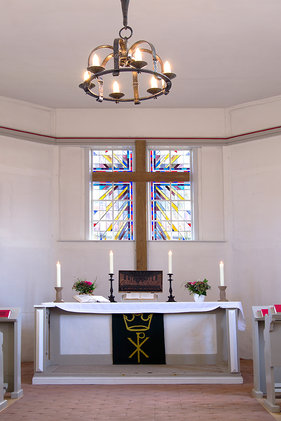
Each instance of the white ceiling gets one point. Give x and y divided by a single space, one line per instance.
224 52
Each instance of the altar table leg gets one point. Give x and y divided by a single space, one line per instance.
233 340
39 346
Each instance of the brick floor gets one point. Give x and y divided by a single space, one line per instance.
137 402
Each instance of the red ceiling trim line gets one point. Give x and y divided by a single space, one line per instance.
27 132
55 138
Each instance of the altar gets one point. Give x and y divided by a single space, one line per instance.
74 343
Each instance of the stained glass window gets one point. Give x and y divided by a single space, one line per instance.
112 160
111 203
167 160
111 206
171 207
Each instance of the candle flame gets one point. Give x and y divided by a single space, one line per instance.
167 67
138 55
153 82
87 75
95 60
116 89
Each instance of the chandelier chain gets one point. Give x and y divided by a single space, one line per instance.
125 6
125 28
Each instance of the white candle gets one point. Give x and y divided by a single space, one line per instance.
58 274
111 262
95 60
170 256
167 67
221 274
116 87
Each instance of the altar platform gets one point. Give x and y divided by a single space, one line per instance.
74 344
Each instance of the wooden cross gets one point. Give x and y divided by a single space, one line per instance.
140 176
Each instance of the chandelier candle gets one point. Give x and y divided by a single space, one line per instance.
116 91
138 55
95 61
87 75
154 86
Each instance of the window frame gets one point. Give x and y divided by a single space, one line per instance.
193 186
89 188
193 190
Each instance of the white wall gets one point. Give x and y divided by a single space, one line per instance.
24 116
256 115
253 209
137 122
27 233
73 182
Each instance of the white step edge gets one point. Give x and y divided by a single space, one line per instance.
137 380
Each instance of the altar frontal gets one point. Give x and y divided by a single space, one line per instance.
138 339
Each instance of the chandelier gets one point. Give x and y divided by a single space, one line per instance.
130 63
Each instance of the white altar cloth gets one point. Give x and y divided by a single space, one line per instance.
200 341
150 307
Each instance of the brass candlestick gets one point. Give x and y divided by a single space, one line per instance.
222 293
58 295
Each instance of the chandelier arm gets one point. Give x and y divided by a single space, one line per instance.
136 88
125 6
123 47
158 58
107 58
100 83
126 100
87 88
116 56
153 51
97 48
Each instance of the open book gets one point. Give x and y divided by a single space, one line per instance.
91 299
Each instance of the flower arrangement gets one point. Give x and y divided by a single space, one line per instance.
198 287
82 286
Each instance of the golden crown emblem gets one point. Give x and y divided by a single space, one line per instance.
137 322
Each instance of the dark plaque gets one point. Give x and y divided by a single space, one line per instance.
140 280
138 339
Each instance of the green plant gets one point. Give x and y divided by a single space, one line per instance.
198 287
82 286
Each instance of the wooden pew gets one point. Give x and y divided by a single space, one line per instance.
272 355
10 327
3 402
